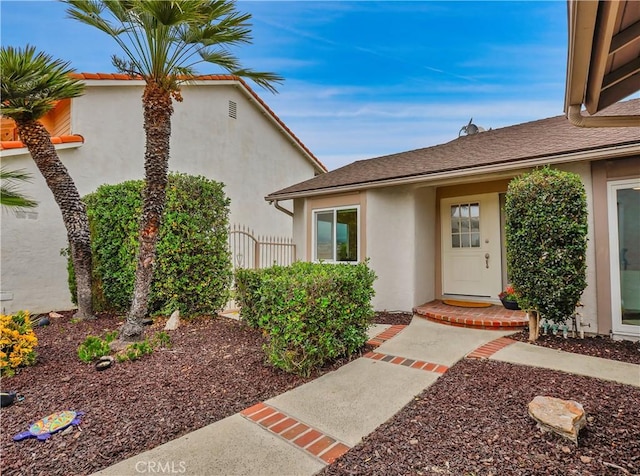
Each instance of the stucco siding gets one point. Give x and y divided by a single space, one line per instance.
391 241
589 296
249 154
425 245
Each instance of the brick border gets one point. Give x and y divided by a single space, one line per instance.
385 335
487 350
414 364
309 439
472 323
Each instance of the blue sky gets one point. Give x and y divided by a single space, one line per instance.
367 78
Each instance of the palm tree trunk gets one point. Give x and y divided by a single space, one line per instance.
74 213
157 126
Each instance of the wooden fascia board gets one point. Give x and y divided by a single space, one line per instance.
601 46
582 24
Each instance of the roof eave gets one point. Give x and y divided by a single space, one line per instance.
593 40
615 151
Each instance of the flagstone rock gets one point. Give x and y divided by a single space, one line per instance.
563 417
174 321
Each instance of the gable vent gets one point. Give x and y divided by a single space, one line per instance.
233 110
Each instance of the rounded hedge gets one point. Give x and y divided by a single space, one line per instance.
192 270
546 235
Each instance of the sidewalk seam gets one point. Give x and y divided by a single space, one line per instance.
414 364
298 434
385 335
487 350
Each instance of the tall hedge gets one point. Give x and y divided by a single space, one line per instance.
546 235
311 313
192 271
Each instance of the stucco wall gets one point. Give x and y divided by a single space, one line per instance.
391 241
249 154
425 245
589 298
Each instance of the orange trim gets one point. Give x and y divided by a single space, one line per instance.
17 144
209 77
11 144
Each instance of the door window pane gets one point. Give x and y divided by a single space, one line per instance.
465 225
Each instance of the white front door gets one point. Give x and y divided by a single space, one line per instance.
624 237
471 261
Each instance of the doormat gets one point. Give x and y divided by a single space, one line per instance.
453 302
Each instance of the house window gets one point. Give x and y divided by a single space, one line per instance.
336 234
465 225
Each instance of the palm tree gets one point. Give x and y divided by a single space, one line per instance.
162 42
9 195
32 83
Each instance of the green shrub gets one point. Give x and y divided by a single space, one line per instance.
311 313
192 271
546 235
17 342
95 347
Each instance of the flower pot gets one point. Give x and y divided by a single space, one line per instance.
511 305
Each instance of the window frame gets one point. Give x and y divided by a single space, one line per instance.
314 239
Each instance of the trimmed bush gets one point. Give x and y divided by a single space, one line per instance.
17 342
311 313
192 271
546 234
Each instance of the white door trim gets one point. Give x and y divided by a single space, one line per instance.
614 257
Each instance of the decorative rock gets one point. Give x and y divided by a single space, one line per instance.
563 417
173 322
43 321
146 322
55 314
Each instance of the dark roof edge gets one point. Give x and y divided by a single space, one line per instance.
615 151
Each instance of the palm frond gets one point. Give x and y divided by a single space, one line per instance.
10 196
163 40
32 82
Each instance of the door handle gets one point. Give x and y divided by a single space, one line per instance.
486 259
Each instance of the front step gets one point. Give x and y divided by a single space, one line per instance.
493 317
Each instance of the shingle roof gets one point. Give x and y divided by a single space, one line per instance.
550 138
214 77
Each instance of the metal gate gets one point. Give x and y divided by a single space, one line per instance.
250 251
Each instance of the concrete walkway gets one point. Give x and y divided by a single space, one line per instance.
302 430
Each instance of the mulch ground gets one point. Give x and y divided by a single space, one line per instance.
472 421
213 369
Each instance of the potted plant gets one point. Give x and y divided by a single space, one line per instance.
509 298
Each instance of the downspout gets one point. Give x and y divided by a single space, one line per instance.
577 119
281 208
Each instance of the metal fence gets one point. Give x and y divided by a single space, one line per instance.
251 251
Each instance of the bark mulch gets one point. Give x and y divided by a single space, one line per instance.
471 421
213 369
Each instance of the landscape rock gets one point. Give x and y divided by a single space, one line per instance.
174 321
563 417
